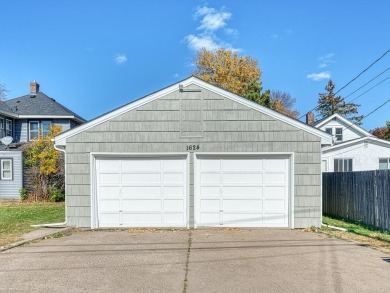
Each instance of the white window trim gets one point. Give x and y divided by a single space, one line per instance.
6 124
29 129
41 126
343 159
2 169
388 163
335 133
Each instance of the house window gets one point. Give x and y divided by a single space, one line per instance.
339 134
384 164
6 169
343 165
45 126
8 127
34 130
329 131
2 134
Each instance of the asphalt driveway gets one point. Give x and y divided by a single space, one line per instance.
204 260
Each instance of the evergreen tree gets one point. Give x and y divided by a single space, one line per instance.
329 104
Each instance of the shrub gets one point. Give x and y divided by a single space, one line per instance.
23 194
56 195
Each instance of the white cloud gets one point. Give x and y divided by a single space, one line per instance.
198 42
326 60
319 76
211 22
120 58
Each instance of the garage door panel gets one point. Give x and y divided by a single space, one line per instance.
275 191
244 219
174 178
242 190
174 165
109 178
241 164
242 205
274 218
137 191
174 205
210 177
108 165
210 204
275 178
174 218
250 191
275 205
275 164
140 164
142 219
210 164
141 205
142 192
110 205
129 178
109 191
209 191
210 219
173 191
242 178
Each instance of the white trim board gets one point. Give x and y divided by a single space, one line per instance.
325 138
346 121
355 141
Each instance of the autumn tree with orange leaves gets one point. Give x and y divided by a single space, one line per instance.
238 74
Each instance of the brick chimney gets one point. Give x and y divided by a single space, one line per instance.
34 87
309 118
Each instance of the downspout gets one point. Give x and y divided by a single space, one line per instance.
53 225
334 227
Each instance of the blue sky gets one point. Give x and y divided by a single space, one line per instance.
94 56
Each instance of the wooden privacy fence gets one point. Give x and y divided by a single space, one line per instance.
359 196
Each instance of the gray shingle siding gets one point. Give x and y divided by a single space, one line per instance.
10 188
224 126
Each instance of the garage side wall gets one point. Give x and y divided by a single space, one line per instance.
217 124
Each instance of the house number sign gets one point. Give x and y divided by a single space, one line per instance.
193 147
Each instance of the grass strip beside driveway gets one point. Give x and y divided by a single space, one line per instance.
16 218
358 232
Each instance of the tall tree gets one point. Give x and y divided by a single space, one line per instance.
284 103
237 74
329 104
387 133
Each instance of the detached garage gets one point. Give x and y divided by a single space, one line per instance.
193 155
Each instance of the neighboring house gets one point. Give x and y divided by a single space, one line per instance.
23 119
192 155
354 149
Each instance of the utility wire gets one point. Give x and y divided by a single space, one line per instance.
357 76
367 83
370 89
383 55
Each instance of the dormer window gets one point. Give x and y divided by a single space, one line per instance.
329 131
339 134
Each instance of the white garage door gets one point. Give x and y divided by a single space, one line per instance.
141 192
242 191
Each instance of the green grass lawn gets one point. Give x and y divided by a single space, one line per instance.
358 228
16 218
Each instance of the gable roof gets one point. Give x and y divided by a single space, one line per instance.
346 121
61 138
354 141
39 105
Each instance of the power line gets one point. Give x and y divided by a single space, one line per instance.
367 83
356 77
370 89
